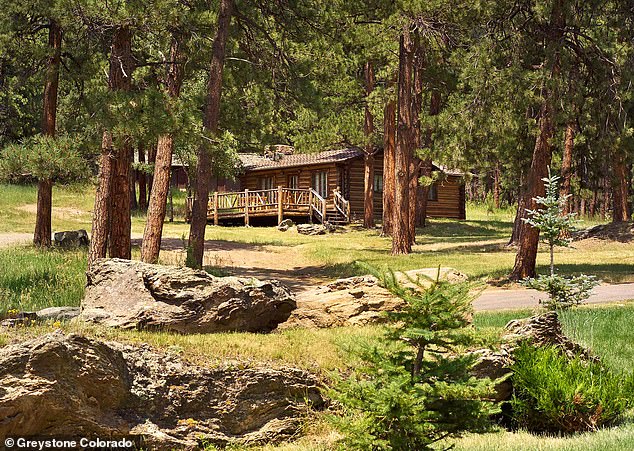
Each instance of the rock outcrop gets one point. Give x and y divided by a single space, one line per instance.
72 386
355 301
131 294
538 330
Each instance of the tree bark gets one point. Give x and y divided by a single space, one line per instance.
566 166
389 144
418 67
620 207
151 246
101 211
368 173
134 205
210 124
427 164
120 79
496 185
43 226
142 180
529 236
401 242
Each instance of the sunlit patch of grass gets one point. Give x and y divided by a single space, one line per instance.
33 279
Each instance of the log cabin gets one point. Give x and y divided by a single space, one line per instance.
326 186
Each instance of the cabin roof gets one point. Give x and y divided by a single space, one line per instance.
257 162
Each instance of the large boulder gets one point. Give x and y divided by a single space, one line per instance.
72 386
356 301
539 330
131 294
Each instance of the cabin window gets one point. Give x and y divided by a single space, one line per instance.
266 183
378 183
320 183
293 181
432 194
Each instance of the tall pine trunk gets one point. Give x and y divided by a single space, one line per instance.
111 215
151 246
620 176
496 185
142 180
401 242
101 211
120 79
43 227
368 173
528 235
427 164
418 67
389 144
198 224
566 165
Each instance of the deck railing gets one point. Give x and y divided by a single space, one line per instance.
342 205
265 202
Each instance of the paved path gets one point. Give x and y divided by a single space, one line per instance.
501 299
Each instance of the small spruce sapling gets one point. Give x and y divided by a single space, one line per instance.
413 387
555 228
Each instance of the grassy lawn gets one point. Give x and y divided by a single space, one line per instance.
475 246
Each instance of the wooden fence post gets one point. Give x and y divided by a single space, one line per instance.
216 208
280 205
246 207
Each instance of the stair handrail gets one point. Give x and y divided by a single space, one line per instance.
318 205
342 204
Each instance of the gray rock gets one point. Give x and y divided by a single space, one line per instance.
312 229
357 300
131 294
71 238
538 330
285 225
72 386
58 313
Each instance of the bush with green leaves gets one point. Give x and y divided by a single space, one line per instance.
555 227
553 393
413 387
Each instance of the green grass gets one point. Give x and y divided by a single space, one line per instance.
31 279
475 246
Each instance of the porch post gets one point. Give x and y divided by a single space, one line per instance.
216 208
310 205
246 207
280 205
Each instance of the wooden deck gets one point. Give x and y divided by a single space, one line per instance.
278 202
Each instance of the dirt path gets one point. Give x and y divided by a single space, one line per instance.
284 263
12 239
289 265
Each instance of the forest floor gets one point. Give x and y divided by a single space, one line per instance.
31 279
